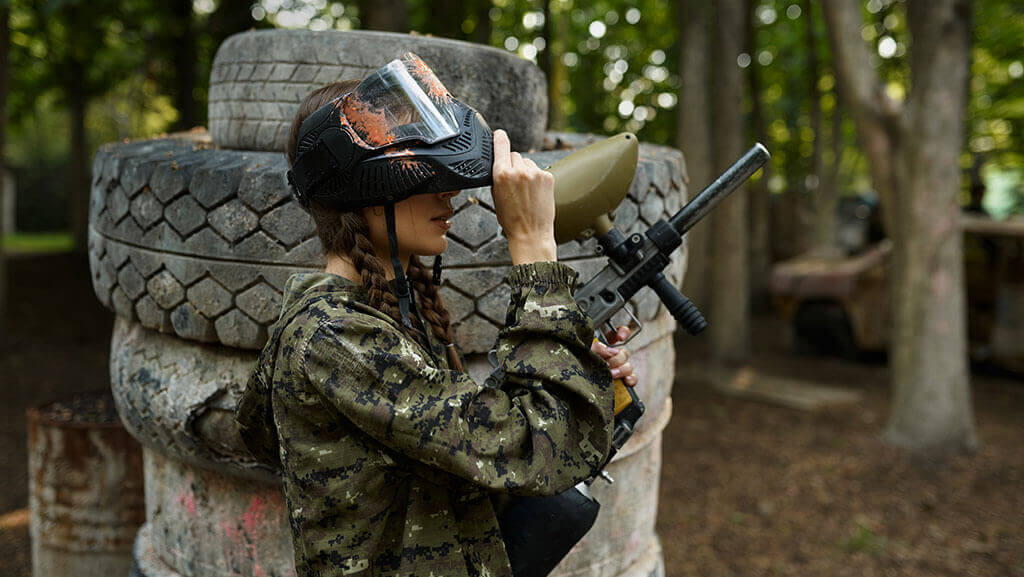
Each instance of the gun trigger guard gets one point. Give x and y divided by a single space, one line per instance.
632 333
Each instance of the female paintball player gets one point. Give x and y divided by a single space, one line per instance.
390 454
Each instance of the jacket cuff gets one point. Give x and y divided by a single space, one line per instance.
547 273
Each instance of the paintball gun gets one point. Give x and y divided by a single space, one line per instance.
589 185
584 197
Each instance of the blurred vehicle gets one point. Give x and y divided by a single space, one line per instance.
841 303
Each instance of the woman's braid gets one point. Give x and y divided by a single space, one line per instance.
432 306
433 309
371 271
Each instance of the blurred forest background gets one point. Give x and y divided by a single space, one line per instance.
84 73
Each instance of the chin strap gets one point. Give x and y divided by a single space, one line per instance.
401 283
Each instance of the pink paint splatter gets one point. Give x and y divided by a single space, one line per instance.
187 500
256 514
231 532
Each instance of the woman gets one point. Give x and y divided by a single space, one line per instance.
390 455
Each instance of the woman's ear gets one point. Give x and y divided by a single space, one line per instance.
377 211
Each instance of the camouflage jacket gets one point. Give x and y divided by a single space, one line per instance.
389 459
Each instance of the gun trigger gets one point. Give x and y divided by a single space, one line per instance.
635 322
492 357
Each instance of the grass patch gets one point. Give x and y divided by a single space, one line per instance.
37 242
863 539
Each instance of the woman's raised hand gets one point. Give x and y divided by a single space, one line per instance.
524 200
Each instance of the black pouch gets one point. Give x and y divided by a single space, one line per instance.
539 531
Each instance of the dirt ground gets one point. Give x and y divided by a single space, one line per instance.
747 488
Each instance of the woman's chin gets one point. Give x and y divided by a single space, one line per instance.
435 248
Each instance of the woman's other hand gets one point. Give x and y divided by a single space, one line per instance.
617 358
524 200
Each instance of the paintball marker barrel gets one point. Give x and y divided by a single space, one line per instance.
716 192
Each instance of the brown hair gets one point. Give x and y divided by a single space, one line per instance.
347 233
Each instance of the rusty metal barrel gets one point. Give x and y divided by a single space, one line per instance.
85 488
191 242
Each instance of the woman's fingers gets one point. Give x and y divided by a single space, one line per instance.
603 350
618 362
502 148
618 359
619 335
613 356
622 371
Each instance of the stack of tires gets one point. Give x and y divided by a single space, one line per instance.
192 239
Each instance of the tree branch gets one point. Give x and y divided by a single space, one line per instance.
875 115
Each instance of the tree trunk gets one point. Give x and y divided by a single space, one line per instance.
482 32
230 17
874 114
823 233
386 15
5 36
554 32
914 156
730 270
694 137
760 198
932 403
829 189
444 18
184 64
77 98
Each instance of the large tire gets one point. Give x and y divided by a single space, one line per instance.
199 242
260 77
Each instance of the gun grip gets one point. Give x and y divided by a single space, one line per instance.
624 396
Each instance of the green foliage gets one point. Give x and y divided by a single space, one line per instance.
617 59
24 243
126 50
780 57
997 84
624 73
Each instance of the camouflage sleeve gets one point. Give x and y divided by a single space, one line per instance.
541 424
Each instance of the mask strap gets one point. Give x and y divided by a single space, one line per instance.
437 270
401 283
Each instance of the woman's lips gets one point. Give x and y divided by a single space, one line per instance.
442 222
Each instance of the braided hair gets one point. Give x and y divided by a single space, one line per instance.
347 233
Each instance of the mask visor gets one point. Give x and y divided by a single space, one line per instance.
401 101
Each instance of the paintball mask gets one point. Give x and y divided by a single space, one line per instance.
398 133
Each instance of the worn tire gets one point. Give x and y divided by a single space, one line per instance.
260 77
199 242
